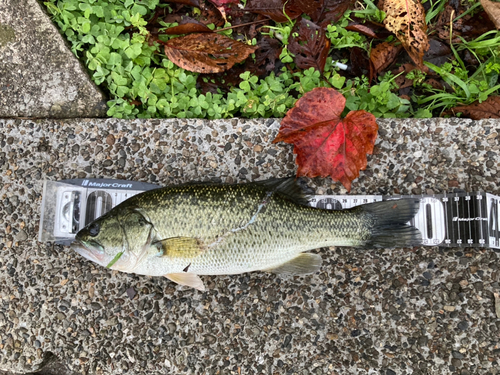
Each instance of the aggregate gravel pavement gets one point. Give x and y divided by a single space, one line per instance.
422 310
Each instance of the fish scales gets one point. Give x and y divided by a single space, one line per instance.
206 229
243 229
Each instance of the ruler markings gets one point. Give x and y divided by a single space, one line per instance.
456 215
458 219
483 204
496 216
447 239
470 239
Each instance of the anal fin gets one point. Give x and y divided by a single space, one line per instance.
300 265
188 279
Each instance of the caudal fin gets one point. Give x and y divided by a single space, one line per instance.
390 228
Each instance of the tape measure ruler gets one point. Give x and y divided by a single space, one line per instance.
458 219
448 220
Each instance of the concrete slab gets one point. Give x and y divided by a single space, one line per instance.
39 76
404 311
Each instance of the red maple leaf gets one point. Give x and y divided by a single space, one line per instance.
325 144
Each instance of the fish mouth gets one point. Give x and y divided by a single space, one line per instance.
85 251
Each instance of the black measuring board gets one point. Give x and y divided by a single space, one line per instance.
466 219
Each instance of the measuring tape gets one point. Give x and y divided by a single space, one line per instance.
450 220
447 220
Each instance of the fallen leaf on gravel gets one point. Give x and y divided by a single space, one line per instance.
206 53
493 10
406 19
325 144
490 108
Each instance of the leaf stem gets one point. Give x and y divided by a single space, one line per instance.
243 24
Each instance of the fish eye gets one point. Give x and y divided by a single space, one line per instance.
94 229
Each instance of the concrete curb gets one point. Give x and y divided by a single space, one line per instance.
39 76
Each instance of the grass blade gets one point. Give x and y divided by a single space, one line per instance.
449 77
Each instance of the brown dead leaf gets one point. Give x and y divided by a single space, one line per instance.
381 57
310 46
362 29
273 9
266 56
442 25
490 108
401 80
187 28
406 19
493 10
309 7
438 53
206 53
332 11
476 25
360 64
468 27
434 84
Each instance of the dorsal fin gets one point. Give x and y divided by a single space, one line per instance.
289 187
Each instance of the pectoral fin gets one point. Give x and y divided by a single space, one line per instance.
302 264
180 247
189 279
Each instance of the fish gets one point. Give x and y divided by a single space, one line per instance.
184 231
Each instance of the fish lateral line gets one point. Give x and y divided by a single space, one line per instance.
252 220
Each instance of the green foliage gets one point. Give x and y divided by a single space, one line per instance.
143 83
465 89
369 12
436 7
377 99
342 38
282 32
111 37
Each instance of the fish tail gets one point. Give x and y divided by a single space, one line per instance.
390 226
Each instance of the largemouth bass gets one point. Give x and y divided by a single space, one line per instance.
185 231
